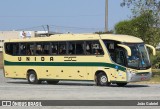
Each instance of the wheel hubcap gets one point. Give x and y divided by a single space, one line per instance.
103 79
32 78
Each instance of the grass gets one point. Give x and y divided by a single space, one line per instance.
155 79
156 75
156 72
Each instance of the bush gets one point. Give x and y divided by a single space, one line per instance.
142 26
155 72
155 60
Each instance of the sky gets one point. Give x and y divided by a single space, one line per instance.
60 15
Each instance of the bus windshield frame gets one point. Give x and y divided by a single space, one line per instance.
140 57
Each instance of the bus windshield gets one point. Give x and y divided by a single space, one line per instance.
139 58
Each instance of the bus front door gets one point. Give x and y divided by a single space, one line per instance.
121 61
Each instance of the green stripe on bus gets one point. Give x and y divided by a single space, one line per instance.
88 64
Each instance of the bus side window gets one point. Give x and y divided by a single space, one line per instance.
30 49
46 48
80 48
23 49
71 47
120 59
12 48
88 47
111 46
15 49
39 49
54 48
8 48
62 48
96 48
76 47
43 48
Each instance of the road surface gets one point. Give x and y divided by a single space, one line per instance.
13 89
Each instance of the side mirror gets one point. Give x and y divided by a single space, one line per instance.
127 48
153 49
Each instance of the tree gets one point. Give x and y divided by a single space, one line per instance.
145 21
139 7
123 27
142 27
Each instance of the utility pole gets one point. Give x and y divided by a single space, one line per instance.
48 29
106 16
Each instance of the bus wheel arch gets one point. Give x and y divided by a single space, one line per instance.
101 78
32 77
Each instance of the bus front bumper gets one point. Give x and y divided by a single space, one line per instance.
135 77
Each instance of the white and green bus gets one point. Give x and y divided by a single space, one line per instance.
104 59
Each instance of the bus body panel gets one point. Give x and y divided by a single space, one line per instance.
72 67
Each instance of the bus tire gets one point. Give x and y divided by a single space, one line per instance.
32 78
53 82
102 80
121 84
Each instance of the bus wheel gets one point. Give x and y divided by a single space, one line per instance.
32 78
121 84
102 80
53 82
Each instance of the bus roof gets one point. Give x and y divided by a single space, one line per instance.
65 37
121 38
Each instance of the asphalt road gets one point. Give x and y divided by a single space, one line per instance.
12 89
